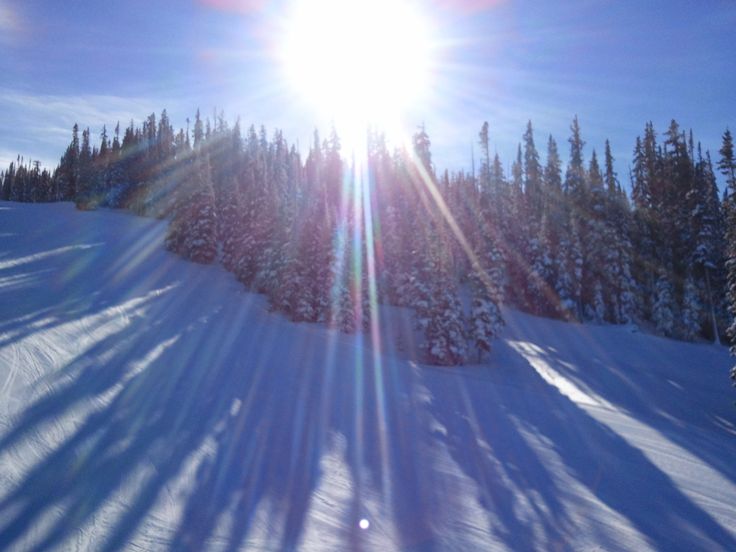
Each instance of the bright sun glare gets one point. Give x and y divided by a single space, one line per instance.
358 62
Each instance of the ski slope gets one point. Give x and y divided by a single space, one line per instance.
147 403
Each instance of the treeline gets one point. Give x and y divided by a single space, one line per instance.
27 182
328 238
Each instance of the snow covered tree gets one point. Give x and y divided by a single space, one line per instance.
690 312
192 231
343 308
663 310
727 166
445 332
437 307
486 284
231 224
515 231
598 308
575 176
619 284
67 173
541 270
484 174
532 176
202 245
591 210
294 297
705 243
565 280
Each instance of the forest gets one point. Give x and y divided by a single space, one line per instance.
327 238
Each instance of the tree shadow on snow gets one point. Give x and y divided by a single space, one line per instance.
488 428
635 375
202 374
225 387
144 416
272 447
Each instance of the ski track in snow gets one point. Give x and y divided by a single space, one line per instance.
147 403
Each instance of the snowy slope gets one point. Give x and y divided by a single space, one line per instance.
149 403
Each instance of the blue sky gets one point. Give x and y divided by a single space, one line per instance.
616 64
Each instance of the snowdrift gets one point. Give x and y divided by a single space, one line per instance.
150 403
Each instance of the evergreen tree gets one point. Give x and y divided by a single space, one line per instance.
576 193
575 175
67 173
442 317
343 307
515 236
727 163
192 229
484 175
611 178
598 308
705 243
618 281
593 223
8 183
486 283
532 175
422 149
541 270
663 310
727 166
231 224
691 311
445 334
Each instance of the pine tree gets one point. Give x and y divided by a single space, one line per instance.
484 175
705 238
663 314
66 175
231 224
650 255
573 266
198 131
727 166
486 283
691 311
422 149
566 306
611 178
618 282
515 232
193 227
576 268
575 175
343 308
258 209
202 246
598 308
532 175
727 163
592 204
8 179
445 333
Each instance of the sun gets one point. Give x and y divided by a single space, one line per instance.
358 62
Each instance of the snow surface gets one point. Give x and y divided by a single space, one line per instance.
150 403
